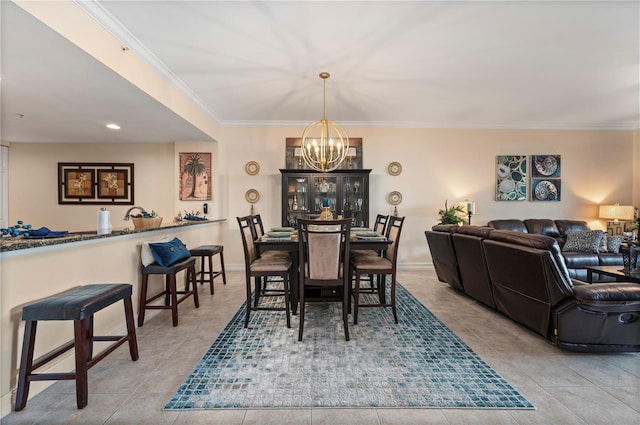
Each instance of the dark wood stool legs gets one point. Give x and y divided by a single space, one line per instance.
170 292
207 275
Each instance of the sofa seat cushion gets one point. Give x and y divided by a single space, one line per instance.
610 259
580 260
614 296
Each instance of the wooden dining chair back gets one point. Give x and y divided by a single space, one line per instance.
383 266
323 252
258 225
380 225
372 281
258 269
264 288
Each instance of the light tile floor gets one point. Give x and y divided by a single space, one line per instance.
566 387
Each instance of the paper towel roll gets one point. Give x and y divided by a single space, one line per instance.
104 222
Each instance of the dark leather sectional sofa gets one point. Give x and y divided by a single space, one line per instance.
525 276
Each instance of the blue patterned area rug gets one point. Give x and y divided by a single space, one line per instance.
418 363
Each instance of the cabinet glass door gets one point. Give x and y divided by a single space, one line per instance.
298 201
325 194
354 198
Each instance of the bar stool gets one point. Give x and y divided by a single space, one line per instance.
78 304
208 251
170 292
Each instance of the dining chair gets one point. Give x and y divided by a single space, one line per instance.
263 287
259 232
323 249
259 268
383 266
380 227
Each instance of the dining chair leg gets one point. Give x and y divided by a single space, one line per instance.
345 313
356 298
248 312
259 282
287 299
393 298
301 314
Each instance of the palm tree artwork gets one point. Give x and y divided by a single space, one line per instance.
195 170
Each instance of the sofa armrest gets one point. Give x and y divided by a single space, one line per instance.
609 297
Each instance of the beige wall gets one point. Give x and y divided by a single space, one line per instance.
33 182
597 166
438 165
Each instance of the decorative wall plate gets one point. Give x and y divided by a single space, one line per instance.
252 168
394 198
394 168
252 196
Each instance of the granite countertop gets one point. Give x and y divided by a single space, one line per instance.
18 243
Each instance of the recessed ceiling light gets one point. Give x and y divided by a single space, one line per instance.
113 126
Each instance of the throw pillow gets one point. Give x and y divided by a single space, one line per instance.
146 256
613 244
603 243
167 253
583 241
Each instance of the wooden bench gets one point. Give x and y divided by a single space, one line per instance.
78 304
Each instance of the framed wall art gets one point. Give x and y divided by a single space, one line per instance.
95 183
511 178
112 183
546 184
195 176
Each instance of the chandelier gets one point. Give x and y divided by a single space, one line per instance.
324 143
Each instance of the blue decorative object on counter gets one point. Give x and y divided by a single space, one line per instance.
193 216
25 230
15 229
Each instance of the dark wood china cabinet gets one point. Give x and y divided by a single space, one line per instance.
346 192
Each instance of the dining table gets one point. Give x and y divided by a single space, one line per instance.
275 240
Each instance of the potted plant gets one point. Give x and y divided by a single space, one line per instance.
450 215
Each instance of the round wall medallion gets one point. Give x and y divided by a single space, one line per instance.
252 168
394 198
394 168
252 196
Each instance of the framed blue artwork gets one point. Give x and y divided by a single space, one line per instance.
511 178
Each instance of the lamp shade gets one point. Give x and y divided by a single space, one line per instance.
617 212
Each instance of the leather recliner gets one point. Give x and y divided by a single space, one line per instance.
443 254
532 286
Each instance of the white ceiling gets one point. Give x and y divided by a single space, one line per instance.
441 64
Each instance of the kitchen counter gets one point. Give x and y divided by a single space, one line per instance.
19 243
32 269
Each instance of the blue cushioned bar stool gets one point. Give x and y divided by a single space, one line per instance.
208 251
78 304
170 292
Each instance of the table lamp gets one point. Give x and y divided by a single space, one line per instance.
616 213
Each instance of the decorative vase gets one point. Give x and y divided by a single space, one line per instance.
326 214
